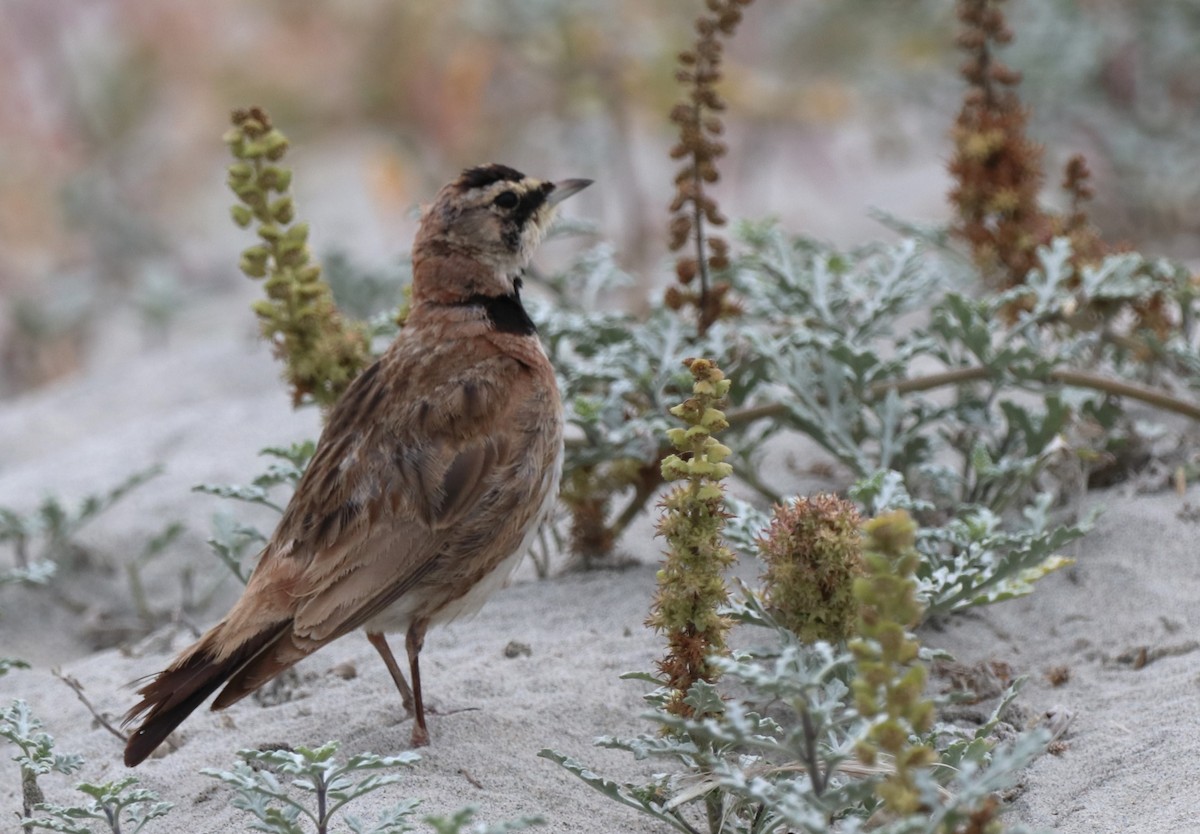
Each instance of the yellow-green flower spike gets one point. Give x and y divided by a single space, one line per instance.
321 350
890 685
691 589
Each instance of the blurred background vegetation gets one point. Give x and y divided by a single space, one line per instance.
113 207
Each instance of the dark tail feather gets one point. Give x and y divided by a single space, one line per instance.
175 693
272 661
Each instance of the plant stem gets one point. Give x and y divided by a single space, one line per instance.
31 794
322 821
955 376
698 227
813 762
641 495
712 807
138 593
958 376
77 688
1075 379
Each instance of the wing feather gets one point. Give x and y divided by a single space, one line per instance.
375 510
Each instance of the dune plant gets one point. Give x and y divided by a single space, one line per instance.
816 348
691 588
996 167
998 175
462 822
314 773
889 689
806 736
120 807
7 664
698 118
35 754
702 257
46 543
316 787
813 553
155 546
322 352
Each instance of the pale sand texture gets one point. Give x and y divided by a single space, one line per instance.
1131 761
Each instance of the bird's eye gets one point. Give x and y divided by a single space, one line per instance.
506 199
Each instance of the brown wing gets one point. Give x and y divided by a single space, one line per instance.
347 589
374 508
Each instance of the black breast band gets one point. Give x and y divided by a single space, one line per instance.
505 312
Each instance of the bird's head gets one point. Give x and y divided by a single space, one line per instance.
490 220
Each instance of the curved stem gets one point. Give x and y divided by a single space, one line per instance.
640 496
955 376
1158 399
1075 379
958 376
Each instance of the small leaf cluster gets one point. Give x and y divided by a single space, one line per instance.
691 589
315 773
456 823
7 664
286 471
322 351
231 539
319 787
120 806
19 726
35 752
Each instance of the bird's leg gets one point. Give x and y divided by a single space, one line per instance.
414 641
385 651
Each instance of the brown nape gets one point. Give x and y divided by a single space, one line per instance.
175 693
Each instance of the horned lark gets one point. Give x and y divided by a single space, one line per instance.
430 478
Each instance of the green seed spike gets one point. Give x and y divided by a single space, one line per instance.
691 589
889 688
322 352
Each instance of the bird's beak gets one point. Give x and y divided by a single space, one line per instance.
564 189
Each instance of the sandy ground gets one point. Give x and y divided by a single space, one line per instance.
1123 622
